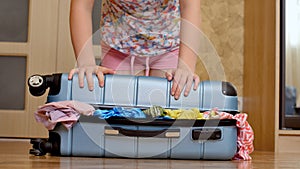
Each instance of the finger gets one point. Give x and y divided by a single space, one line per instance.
176 88
81 77
188 85
196 81
100 76
100 71
177 93
180 86
72 72
90 80
108 71
169 75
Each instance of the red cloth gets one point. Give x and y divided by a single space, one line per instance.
65 112
245 134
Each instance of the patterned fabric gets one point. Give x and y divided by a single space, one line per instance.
245 135
141 27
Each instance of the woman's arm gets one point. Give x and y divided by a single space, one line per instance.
191 18
184 75
81 35
81 31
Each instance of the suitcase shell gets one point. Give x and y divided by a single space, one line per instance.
141 138
141 91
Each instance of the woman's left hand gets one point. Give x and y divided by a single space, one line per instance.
183 78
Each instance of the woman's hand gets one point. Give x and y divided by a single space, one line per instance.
88 71
183 78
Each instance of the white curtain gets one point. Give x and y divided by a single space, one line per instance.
293 45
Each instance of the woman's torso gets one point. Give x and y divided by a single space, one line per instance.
141 27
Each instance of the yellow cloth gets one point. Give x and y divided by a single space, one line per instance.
193 113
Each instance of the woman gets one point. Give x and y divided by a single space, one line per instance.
140 37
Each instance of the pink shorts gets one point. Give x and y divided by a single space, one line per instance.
116 60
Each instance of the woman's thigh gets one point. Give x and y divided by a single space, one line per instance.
128 72
159 72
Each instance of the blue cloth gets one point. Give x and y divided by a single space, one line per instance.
120 112
163 117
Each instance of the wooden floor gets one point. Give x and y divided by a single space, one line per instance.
14 155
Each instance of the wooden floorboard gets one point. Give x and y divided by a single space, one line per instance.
14 155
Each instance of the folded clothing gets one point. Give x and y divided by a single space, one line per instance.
65 112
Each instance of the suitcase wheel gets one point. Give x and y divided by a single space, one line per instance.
37 85
36 152
40 146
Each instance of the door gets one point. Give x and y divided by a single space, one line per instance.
28 45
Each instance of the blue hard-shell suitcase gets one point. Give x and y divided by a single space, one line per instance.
139 138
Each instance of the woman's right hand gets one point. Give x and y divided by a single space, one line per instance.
88 72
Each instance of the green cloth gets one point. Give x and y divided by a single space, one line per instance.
154 111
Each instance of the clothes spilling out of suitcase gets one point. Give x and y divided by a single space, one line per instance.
136 117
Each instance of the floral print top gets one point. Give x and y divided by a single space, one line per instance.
141 27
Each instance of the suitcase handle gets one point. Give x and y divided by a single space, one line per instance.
163 133
206 134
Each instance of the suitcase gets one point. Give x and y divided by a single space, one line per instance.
145 137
